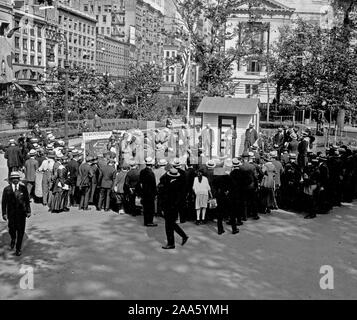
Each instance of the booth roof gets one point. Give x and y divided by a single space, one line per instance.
228 105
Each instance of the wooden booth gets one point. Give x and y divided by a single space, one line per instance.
221 113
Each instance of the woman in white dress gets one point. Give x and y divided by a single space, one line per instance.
202 191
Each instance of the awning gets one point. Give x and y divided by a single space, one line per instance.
220 105
37 89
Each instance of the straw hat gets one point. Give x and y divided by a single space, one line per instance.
173 173
15 175
210 164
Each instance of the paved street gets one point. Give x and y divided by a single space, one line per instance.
94 255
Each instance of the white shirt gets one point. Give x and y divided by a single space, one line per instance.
15 187
201 187
47 165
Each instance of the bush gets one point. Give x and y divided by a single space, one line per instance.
12 115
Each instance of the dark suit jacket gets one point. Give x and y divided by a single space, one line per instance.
279 140
147 183
73 169
13 155
250 138
84 175
106 177
13 206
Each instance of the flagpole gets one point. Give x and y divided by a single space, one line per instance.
189 79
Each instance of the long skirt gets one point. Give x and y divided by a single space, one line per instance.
56 203
268 198
38 185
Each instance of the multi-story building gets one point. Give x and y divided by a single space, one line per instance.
30 44
144 27
113 57
6 50
79 29
250 73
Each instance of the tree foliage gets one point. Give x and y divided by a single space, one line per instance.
214 59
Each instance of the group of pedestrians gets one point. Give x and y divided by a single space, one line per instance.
290 176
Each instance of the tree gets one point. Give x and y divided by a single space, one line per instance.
315 65
141 90
11 114
214 59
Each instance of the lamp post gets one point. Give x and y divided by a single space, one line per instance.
61 38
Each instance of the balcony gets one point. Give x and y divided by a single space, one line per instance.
252 73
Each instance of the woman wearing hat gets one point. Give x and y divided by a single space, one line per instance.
202 191
15 209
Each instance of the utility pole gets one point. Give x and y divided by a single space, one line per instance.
189 79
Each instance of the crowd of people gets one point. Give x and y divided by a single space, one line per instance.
156 173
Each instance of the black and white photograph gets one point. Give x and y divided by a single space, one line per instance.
194 152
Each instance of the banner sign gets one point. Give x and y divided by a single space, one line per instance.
95 143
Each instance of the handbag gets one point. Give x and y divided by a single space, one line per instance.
212 203
138 202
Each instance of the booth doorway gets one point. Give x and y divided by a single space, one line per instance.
224 123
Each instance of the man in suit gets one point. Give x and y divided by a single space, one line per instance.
251 136
14 157
83 183
148 192
234 196
47 169
130 185
15 209
97 123
106 184
170 192
94 192
278 141
31 165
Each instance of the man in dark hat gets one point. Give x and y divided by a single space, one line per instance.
251 136
73 168
94 191
170 193
148 191
278 141
15 208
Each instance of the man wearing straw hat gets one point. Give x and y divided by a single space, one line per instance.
15 209
31 165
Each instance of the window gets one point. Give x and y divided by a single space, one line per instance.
32 60
24 44
17 23
24 59
108 30
104 19
17 42
17 58
39 61
59 19
253 66
247 88
85 8
97 29
70 37
102 30
39 33
97 17
39 47
80 27
75 26
32 32
88 29
60 63
255 89
32 45
99 9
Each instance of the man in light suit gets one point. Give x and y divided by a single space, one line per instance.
15 209
207 140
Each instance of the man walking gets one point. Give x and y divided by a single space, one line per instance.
170 193
15 209
31 165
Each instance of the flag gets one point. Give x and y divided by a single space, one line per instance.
184 66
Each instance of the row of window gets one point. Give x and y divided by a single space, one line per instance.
29 30
82 27
26 61
25 44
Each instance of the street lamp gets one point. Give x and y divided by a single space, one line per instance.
62 38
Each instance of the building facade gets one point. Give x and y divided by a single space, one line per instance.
113 57
79 29
250 74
